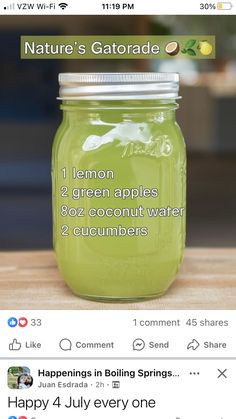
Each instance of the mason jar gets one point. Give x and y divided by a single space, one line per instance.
119 185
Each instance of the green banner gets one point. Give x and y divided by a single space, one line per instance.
118 47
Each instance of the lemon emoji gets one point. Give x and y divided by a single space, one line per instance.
205 48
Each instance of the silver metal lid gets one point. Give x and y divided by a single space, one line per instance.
118 86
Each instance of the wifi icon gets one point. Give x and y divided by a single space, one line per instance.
62 5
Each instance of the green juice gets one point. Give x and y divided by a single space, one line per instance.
118 174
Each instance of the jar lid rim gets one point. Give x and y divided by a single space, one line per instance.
118 85
125 77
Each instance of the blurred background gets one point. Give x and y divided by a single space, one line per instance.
29 116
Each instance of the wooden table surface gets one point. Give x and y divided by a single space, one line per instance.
30 280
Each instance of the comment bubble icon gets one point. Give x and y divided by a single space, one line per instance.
65 344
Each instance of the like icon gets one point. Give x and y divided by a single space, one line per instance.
14 345
12 322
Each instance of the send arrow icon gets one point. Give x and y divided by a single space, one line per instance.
194 344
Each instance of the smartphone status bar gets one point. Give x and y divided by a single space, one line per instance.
121 7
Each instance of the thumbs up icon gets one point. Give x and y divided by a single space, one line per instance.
14 345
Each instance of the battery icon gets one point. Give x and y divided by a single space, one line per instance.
224 5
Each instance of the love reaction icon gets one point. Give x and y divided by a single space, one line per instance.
22 322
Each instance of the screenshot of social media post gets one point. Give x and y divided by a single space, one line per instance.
117 209
117 162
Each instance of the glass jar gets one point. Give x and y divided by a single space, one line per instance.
119 181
